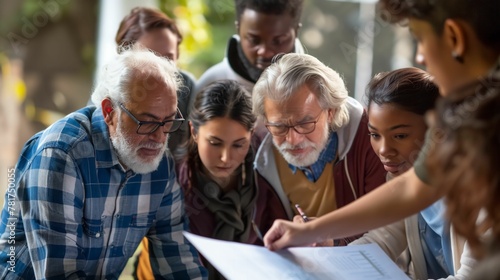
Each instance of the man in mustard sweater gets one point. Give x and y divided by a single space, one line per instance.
318 152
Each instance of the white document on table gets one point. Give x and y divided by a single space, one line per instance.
242 261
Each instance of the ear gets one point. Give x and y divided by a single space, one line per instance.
193 132
107 111
454 34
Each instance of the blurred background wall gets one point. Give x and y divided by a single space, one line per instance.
50 51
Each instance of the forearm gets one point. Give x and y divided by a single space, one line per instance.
393 201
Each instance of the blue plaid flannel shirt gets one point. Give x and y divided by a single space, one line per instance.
78 214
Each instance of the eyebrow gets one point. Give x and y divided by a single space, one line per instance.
391 128
304 119
218 139
156 117
257 33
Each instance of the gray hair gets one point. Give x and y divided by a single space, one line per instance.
115 78
281 80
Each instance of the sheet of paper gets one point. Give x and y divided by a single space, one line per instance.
242 261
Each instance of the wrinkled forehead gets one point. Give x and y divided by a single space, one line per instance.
298 106
145 84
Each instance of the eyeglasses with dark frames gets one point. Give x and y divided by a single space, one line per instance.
148 127
301 128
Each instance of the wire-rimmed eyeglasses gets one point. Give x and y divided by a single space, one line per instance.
301 128
149 127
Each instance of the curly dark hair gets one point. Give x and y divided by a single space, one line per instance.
465 160
482 15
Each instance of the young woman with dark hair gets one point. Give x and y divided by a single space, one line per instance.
215 170
423 244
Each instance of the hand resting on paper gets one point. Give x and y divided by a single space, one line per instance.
288 234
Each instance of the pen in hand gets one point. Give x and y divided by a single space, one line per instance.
301 213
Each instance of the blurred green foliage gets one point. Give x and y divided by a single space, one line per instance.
22 21
206 26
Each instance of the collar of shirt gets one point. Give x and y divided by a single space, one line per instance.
328 154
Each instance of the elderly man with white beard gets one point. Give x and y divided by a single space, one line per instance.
92 185
318 152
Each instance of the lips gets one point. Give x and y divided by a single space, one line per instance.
392 166
223 167
150 152
262 64
296 151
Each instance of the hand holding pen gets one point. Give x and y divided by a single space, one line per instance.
301 213
305 219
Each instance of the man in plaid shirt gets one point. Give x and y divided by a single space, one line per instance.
87 189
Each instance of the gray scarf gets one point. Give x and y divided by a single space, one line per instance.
232 210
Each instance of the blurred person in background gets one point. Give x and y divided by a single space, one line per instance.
265 28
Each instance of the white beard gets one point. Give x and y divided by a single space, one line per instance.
309 158
128 154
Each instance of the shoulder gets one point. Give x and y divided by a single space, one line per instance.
187 78
351 131
182 172
218 71
68 132
362 130
68 137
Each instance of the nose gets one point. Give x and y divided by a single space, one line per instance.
386 150
265 50
293 137
158 136
225 154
